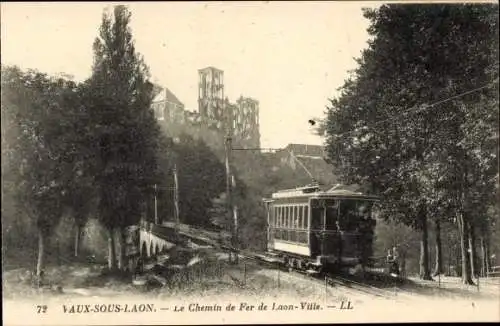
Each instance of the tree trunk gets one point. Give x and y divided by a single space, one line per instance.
403 263
458 260
425 273
438 269
40 265
473 252
487 256
483 257
122 259
466 277
118 243
78 233
111 251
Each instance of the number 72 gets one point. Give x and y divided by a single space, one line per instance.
41 309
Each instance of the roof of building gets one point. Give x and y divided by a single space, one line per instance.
307 150
166 94
210 68
246 99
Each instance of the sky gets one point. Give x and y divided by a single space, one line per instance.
290 56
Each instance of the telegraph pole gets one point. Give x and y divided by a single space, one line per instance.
156 207
229 200
235 220
176 199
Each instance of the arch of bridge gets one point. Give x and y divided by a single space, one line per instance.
152 244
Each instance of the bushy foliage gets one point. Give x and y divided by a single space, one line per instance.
414 122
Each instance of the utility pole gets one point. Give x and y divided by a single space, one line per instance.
176 199
235 220
156 207
229 202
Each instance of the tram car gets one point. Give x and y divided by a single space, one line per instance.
319 231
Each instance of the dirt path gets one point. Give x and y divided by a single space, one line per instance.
218 281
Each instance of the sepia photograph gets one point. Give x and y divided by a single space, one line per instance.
250 162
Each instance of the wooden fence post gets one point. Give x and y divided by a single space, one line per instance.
245 273
278 277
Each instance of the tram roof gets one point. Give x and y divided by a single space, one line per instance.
337 193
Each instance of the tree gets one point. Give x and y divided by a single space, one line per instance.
124 131
382 134
37 108
81 196
201 178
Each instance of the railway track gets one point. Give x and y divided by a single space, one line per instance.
361 287
332 280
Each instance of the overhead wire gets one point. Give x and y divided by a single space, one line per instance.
418 108
414 109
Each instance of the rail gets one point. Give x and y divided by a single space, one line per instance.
330 280
365 288
261 258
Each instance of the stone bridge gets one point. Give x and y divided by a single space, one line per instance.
155 239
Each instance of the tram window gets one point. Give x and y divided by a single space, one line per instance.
275 216
348 215
306 217
297 214
364 210
283 215
289 217
270 218
331 217
282 219
279 216
317 218
295 217
299 217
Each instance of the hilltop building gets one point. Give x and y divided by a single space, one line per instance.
168 107
304 151
240 119
302 157
246 122
211 94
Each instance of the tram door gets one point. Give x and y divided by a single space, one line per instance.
325 239
332 244
271 211
316 228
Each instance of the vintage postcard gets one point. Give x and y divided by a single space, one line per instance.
250 162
